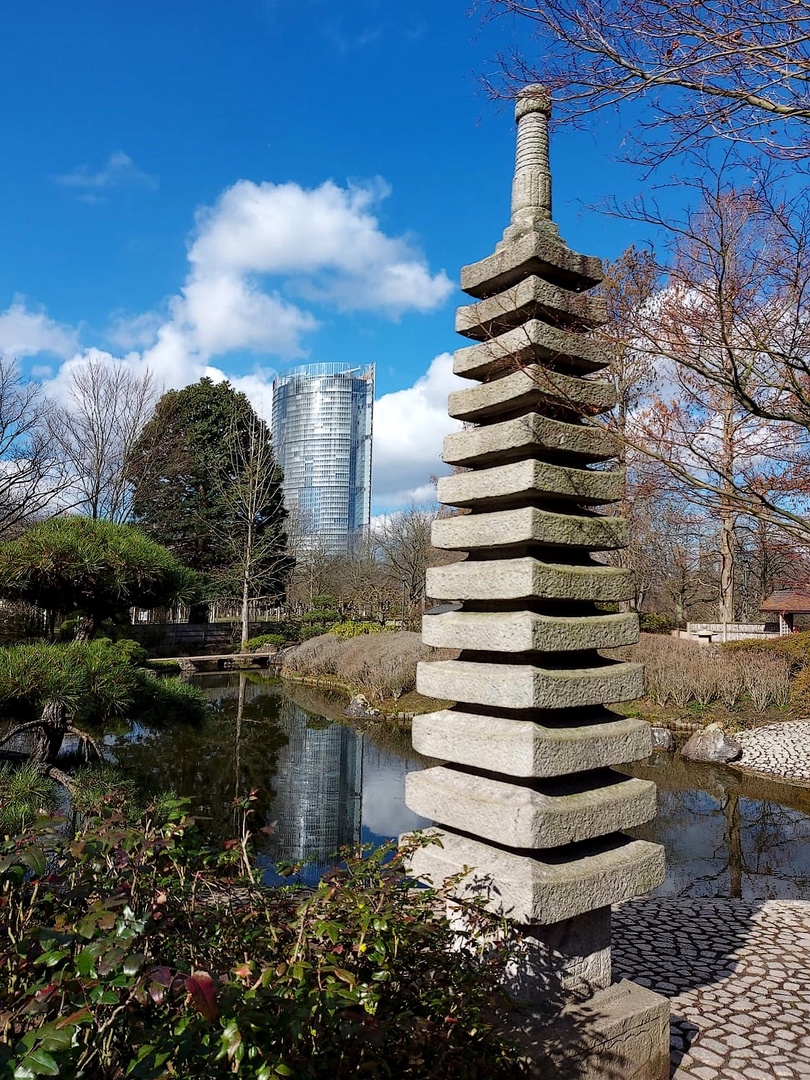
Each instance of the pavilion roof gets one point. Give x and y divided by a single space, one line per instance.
793 601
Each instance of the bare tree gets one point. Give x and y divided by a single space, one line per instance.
31 476
733 69
729 337
109 405
252 526
403 542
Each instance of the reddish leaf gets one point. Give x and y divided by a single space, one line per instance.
203 993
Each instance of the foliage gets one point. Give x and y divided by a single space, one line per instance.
24 794
89 683
653 623
255 643
311 631
794 648
278 633
101 788
800 693
351 628
382 665
95 567
92 680
183 466
130 950
681 672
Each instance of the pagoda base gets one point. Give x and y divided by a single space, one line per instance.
621 1033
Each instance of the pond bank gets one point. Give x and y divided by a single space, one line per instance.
335 686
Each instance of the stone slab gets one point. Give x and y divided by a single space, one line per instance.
531 388
536 253
533 343
520 816
527 748
525 435
542 887
526 686
527 300
526 631
517 579
528 479
528 525
619 1033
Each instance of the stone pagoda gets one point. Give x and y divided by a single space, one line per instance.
527 796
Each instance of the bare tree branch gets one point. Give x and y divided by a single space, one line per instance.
737 70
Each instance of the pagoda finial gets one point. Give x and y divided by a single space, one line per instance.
531 187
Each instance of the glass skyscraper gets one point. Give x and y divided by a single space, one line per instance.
321 424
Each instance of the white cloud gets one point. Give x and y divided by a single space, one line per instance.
134 331
24 332
409 428
324 245
326 238
119 171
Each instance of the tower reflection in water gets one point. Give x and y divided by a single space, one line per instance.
317 801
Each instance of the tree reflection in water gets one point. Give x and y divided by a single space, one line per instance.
727 833
308 770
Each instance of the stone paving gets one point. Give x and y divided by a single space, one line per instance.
737 974
779 749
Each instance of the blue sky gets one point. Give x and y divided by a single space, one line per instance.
243 186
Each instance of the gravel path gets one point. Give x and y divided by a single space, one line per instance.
736 974
780 749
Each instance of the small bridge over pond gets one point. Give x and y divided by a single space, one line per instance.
222 661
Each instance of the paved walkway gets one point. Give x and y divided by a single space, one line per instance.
780 749
737 974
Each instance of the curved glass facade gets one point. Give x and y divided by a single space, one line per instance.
321 424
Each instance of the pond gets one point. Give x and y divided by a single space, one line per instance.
322 785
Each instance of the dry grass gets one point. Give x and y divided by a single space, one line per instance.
680 672
381 665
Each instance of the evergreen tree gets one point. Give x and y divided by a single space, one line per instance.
188 467
95 569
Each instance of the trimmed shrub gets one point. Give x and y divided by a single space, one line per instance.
350 628
794 648
679 672
653 623
255 643
800 693
382 665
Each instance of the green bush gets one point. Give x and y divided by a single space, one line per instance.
350 628
254 643
795 648
800 693
320 615
653 623
89 684
132 950
24 794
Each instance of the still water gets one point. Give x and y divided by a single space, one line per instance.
323 785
